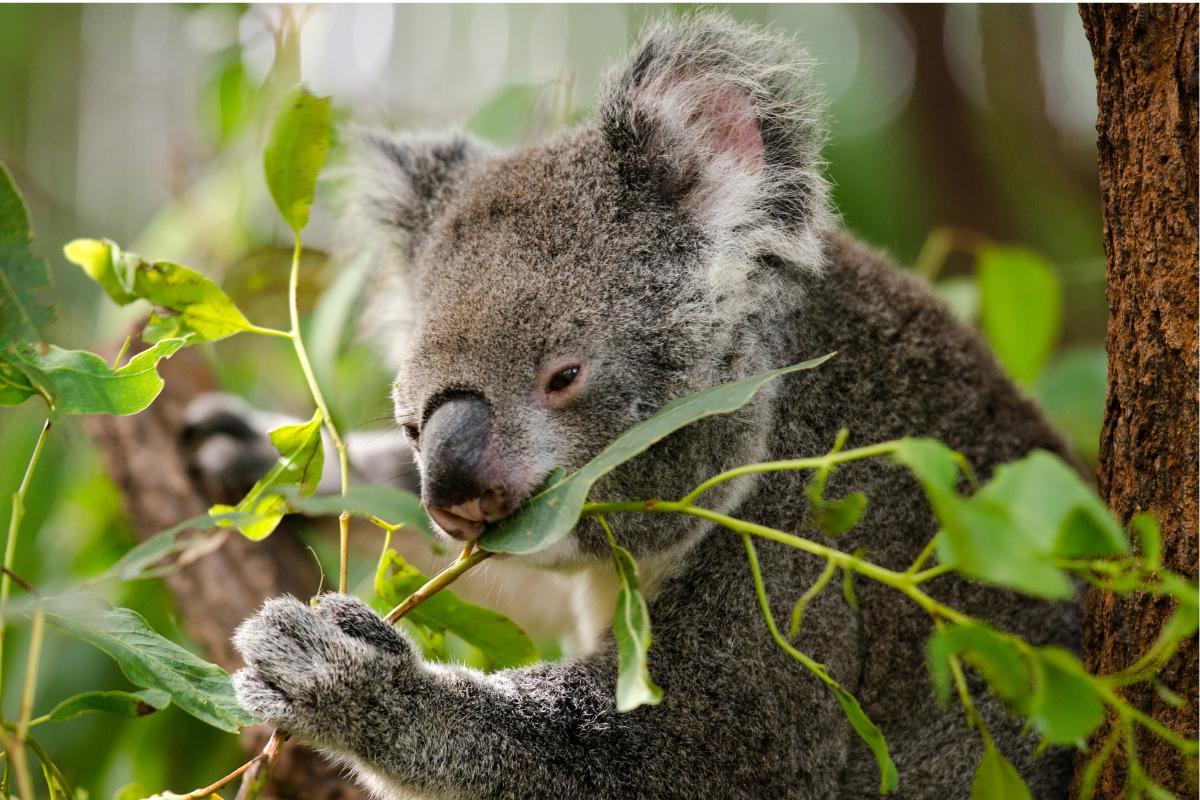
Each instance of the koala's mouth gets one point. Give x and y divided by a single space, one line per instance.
466 521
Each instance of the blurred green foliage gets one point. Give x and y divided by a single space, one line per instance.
146 124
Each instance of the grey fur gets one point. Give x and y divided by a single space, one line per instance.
611 243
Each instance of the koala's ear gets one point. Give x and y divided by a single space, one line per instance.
722 120
399 183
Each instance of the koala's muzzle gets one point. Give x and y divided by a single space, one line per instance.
462 487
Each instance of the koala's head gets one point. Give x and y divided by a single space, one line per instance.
556 295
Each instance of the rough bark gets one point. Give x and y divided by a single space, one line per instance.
1145 61
142 454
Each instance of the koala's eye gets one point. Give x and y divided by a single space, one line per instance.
562 379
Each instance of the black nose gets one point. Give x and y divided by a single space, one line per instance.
454 443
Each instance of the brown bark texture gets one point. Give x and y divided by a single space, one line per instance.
144 456
1145 60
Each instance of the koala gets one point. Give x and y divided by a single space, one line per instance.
543 300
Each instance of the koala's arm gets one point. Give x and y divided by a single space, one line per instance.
340 677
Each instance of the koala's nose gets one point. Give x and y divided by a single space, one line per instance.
461 488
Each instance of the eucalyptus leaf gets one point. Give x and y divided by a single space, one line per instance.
149 660
997 779
79 382
499 638
552 513
631 630
1068 707
295 153
1060 513
1021 308
24 278
200 308
889 778
393 506
145 560
120 704
301 459
986 650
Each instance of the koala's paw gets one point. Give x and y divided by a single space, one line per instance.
226 444
315 672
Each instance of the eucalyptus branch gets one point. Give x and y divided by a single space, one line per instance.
907 583
16 514
319 398
438 582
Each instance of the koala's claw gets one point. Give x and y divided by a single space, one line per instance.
305 667
358 620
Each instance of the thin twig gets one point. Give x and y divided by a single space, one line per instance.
435 584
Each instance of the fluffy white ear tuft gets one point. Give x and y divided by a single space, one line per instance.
722 120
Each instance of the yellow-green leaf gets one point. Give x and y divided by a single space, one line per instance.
295 154
199 306
301 459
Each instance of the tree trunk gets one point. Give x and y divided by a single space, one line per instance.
1145 60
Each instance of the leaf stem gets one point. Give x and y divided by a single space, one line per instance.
275 332
315 389
816 462
435 584
37 631
14 526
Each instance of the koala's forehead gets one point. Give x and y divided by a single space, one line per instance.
544 249
557 213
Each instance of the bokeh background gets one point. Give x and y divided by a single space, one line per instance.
952 128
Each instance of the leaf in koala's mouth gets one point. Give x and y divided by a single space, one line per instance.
552 512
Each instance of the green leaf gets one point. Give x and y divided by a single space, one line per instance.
997 779
933 464
301 459
295 154
552 513
394 506
147 659
836 517
15 387
1066 706
15 229
499 638
981 540
200 307
121 704
145 560
631 629
1060 513
1021 308
24 311
986 650
80 382
1071 391
889 779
